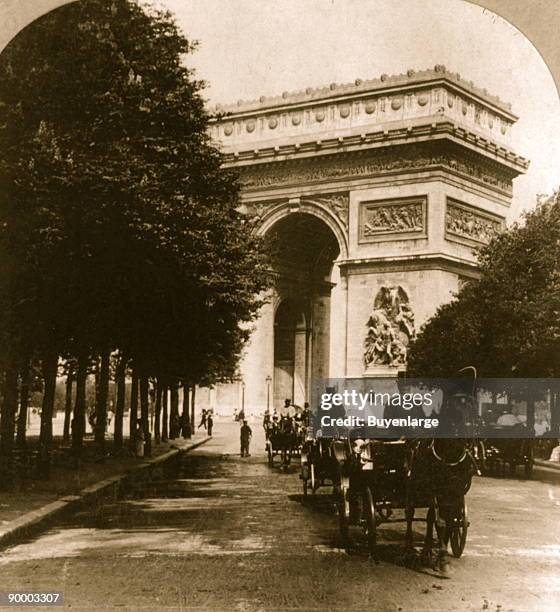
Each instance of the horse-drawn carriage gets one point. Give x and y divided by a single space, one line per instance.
498 451
380 476
285 437
321 461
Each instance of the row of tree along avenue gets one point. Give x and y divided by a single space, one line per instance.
122 250
507 322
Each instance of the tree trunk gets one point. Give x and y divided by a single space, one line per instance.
157 427
79 420
49 366
9 406
68 405
145 415
174 412
101 403
186 429
133 414
120 376
165 417
23 405
193 419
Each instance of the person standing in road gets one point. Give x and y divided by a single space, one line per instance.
209 423
246 434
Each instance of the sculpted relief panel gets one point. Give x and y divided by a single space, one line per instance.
390 329
403 218
467 224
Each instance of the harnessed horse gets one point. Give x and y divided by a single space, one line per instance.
439 475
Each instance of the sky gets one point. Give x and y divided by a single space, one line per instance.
250 48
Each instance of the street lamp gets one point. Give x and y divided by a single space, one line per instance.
243 397
268 380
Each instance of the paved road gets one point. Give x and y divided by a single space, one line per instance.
230 534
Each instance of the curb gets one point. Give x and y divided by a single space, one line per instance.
36 520
548 464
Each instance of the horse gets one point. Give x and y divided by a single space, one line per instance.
288 438
439 475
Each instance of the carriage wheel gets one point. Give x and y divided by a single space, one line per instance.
270 455
344 517
370 526
305 477
458 532
529 462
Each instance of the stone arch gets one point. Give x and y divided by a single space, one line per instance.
315 209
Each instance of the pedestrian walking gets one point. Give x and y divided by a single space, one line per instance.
246 434
209 423
203 420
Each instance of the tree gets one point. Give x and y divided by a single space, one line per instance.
120 379
507 322
432 354
119 227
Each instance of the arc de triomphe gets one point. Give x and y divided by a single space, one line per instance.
375 196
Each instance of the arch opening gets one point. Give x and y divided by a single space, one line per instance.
304 250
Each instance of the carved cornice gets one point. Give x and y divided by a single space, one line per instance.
438 130
410 263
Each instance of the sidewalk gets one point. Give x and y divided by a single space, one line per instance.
38 502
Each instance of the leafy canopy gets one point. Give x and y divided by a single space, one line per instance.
507 322
118 223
